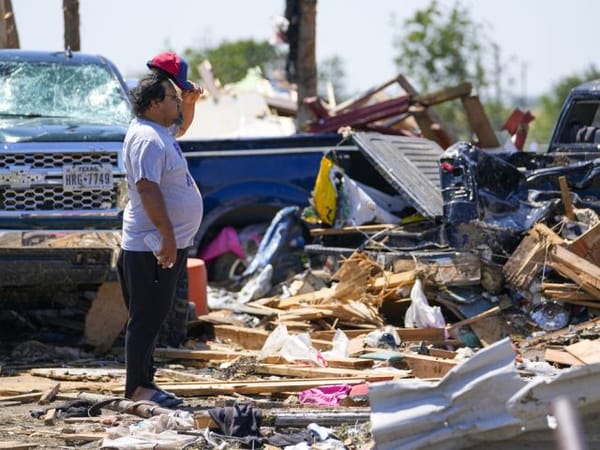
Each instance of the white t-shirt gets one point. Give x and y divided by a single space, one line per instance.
151 152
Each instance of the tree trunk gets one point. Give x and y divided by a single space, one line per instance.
306 62
71 18
9 37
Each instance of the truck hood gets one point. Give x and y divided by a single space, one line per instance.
58 129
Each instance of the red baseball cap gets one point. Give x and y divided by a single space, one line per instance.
174 66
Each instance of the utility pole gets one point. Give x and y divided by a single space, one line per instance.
9 37
71 19
302 64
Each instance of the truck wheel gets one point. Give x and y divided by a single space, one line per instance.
174 330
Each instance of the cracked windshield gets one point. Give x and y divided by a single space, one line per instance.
86 92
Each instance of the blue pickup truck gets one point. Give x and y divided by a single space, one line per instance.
63 117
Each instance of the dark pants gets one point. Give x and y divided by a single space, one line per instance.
149 291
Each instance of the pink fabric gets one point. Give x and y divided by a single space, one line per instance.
226 241
325 395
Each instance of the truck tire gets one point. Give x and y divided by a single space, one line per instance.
174 330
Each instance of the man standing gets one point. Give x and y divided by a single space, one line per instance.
165 206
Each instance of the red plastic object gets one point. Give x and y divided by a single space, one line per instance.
197 281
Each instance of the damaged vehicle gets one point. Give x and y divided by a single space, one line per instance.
63 117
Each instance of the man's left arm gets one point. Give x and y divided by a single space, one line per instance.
188 108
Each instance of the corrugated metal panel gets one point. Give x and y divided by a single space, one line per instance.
410 165
482 400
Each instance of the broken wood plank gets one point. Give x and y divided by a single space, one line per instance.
566 198
585 350
106 317
50 417
248 387
394 280
529 258
308 298
588 245
479 122
23 398
473 319
204 355
553 355
294 370
249 338
423 366
49 395
337 362
581 271
15 445
566 292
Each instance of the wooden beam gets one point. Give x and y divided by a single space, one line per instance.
423 366
581 271
566 198
479 121
249 387
248 338
588 245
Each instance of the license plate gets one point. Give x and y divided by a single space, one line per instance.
85 177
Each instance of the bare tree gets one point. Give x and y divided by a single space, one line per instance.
9 37
71 18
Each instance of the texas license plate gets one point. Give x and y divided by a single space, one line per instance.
84 177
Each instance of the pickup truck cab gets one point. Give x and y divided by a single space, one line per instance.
63 118
579 121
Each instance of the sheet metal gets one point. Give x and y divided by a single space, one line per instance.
410 165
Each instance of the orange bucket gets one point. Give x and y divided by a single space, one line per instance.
197 282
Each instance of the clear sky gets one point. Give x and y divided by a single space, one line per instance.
541 40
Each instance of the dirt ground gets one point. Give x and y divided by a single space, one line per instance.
23 420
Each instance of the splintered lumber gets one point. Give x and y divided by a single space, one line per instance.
585 350
567 292
566 198
23 398
49 395
353 277
394 280
250 387
338 362
470 320
588 245
203 355
553 355
529 258
423 366
581 271
249 338
309 298
14 445
572 329
293 370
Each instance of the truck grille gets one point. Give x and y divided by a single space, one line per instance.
53 198
55 160
48 194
